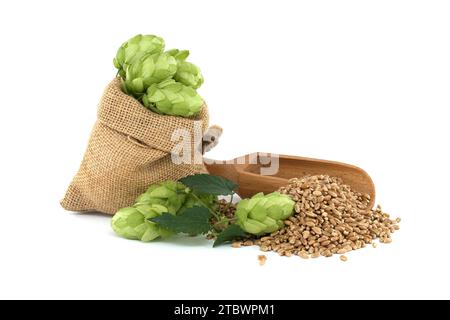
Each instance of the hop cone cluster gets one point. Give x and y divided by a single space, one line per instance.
167 197
264 214
163 81
132 223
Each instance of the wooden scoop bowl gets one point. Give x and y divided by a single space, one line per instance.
249 172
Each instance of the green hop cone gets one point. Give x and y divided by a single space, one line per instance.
173 98
150 69
133 224
187 73
133 49
264 214
180 55
169 194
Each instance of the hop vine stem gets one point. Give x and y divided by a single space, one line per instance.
218 215
231 201
214 213
224 220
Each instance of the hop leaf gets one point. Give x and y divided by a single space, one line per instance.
173 98
229 234
195 199
209 184
133 49
264 214
133 223
169 194
193 221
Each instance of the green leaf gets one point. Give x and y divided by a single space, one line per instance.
229 234
193 221
214 185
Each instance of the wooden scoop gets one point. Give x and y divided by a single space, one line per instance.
250 173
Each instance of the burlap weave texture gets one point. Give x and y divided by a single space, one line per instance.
129 149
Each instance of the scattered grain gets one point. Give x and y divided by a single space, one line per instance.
248 243
236 244
262 260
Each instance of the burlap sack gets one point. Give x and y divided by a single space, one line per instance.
129 150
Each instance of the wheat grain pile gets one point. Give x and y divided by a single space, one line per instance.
330 218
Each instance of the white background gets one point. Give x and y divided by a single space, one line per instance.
363 82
